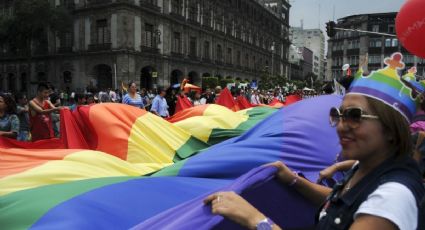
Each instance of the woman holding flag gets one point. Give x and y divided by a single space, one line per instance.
384 189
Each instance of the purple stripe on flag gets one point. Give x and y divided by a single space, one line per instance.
280 203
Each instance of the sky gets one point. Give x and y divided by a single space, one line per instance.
308 10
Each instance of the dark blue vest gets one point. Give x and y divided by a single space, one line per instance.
339 210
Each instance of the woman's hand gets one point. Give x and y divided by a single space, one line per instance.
327 173
284 174
235 208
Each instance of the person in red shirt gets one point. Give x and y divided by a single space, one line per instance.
41 126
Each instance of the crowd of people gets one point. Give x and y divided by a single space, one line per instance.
383 183
38 118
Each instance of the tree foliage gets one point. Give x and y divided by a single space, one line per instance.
209 82
268 81
224 82
30 22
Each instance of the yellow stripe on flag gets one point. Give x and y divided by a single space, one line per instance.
85 164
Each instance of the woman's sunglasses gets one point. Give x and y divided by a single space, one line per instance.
351 116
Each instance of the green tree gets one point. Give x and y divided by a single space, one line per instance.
224 82
269 81
26 30
209 82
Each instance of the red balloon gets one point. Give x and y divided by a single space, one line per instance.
410 27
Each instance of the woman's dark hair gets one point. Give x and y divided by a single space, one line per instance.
130 83
10 103
20 96
395 125
54 97
42 86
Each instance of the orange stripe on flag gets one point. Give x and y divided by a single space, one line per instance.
13 161
188 113
113 124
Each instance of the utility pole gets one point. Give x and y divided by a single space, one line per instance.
272 49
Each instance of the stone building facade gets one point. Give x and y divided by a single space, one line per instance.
156 43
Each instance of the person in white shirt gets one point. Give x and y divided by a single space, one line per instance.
255 98
198 100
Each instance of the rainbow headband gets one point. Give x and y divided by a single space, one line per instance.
387 86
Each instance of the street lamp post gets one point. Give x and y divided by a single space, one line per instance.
272 49
158 36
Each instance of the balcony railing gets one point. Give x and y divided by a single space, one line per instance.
218 62
150 4
193 57
207 60
148 49
177 55
192 21
177 15
100 47
65 50
99 2
40 51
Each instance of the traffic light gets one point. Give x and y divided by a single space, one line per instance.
330 29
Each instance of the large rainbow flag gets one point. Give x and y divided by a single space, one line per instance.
136 170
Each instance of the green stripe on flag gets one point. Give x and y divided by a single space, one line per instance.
255 115
217 135
191 147
20 210
172 170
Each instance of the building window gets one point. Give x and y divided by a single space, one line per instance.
374 59
219 23
353 60
219 53
148 36
68 4
176 43
394 42
246 60
375 42
206 17
152 2
387 42
192 47
207 50
338 46
391 29
65 40
229 26
375 28
238 58
353 44
176 7
193 12
409 59
103 35
229 56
